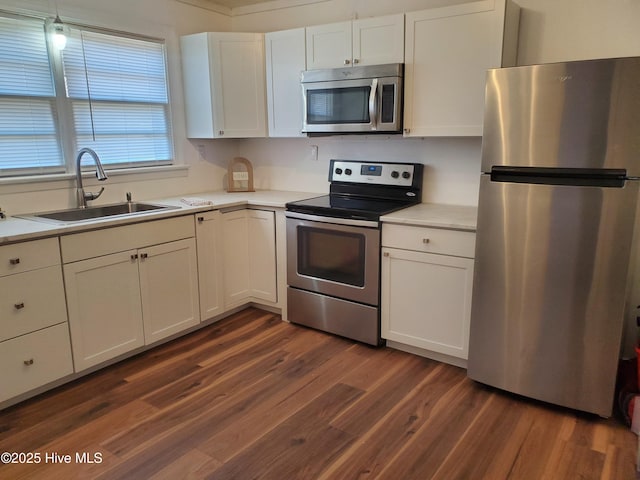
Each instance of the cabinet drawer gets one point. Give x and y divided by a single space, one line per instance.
33 360
432 240
22 257
31 301
96 243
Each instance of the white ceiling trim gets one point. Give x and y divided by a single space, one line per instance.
273 5
248 9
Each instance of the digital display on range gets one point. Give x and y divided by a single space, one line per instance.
371 170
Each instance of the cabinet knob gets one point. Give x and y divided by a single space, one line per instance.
385 254
355 60
407 130
134 256
14 261
347 62
29 362
19 306
425 240
221 132
201 219
143 255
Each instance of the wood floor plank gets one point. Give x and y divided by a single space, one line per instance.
254 397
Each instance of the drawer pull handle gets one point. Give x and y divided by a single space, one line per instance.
425 240
201 219
29 362
134 256
14 261
19 306
385 254
144 255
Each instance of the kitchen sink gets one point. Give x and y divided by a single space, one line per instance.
74 215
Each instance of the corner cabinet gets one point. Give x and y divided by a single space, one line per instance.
224 84
249 246
129 286
285 60
369 41
448 51
34 335
427 279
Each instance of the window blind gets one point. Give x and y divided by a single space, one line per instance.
118 90
28 130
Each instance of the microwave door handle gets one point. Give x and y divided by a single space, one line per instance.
373 114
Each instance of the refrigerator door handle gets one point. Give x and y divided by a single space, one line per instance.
584 177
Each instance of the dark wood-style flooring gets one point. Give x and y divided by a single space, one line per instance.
254 397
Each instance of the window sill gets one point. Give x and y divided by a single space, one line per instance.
38 183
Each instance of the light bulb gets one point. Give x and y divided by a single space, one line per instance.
59 38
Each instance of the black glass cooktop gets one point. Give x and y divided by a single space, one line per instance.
347 206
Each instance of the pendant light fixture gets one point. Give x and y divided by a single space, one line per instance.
58 31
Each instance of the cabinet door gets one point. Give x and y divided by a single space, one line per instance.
105 311
209 244
169 288
238 84
378 40
448 51
285 54
262 254
329 46
426 300
235 245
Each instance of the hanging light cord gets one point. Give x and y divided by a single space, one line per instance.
86 78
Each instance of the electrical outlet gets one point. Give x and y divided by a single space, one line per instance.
202 151
314 153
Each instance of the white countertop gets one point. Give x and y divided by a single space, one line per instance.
14 229
455 217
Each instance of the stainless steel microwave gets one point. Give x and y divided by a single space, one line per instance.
365 99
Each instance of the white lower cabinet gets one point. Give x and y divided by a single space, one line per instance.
121 301
209 243
33 360
249 252
426 297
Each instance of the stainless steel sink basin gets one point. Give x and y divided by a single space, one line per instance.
74 215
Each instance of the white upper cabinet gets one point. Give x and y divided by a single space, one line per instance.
223 76
448 51
370 41
285 53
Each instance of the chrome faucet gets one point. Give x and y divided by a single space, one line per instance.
100 175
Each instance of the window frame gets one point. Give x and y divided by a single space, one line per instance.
67 136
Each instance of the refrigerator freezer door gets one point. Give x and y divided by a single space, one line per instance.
572 115
549 290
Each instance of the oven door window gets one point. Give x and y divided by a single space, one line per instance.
331 255
332 106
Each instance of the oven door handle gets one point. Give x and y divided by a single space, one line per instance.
336 220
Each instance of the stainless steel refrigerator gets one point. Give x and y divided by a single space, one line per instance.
557 204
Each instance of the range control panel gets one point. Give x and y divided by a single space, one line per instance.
377 173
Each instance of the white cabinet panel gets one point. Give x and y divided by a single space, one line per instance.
25 256
33 360
448 51
169 288
31 301
426 300
223 75
236 257
262 255
285 60
105 309
210 276
369 41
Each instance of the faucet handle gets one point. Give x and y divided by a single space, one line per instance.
129 197
93 195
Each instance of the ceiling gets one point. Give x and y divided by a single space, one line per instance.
237 3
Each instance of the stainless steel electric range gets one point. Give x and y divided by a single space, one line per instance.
333 246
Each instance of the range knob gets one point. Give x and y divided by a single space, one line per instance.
406 175
395 174
347 171
338 171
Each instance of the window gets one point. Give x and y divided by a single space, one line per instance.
112 97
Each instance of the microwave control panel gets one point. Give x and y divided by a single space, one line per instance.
378 173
